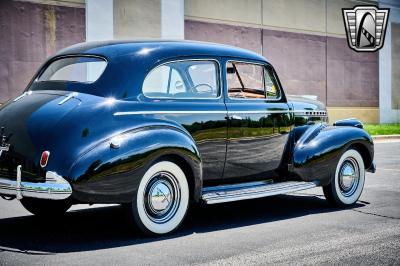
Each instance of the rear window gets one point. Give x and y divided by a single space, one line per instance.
74 69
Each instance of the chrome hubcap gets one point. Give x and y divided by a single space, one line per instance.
349 176
162 197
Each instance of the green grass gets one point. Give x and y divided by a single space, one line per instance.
382 129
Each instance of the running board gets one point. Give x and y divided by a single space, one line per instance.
251 190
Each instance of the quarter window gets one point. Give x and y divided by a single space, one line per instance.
271 89
183 79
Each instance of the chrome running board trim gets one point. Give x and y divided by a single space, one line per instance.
55 187
251 190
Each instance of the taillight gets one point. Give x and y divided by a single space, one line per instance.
44 159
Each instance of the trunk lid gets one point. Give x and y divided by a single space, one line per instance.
26 126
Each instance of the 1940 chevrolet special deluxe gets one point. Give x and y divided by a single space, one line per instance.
157 125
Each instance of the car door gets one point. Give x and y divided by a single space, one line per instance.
189 93
259 120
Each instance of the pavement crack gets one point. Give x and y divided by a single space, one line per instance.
375 214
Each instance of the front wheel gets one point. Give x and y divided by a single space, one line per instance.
162 199
349 180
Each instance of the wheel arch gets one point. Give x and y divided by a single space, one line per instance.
192 172
364 152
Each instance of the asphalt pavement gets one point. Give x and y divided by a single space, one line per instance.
300 228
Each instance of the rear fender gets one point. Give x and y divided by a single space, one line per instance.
111 174
318 150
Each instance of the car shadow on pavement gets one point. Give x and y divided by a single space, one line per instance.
107 227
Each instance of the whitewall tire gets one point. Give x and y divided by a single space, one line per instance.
347 186
162 199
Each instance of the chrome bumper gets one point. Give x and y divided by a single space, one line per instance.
55 187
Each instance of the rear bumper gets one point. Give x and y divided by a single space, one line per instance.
55 187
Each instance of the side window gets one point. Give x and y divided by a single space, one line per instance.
270 85
245 80
162 81
183 79
204 78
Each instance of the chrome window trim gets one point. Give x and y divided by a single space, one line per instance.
219 79
300 112
264 65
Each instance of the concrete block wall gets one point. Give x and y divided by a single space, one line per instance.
389 67
30 33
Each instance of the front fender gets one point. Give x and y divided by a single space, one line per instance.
318 150
106 174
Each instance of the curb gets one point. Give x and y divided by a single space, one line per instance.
386 137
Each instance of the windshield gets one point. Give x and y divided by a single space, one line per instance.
74 69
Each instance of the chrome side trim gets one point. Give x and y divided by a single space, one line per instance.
20 97
167 112
299 112
55 187
68 97
251 190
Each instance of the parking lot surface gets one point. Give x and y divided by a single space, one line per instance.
300 228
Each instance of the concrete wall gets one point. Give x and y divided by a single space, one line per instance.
304 40
389 68
130 21
134 19
395 66
30 33
70 3
242 11
245 37
302 15
353 78
299 59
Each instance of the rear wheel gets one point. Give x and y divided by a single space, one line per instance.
46 208
347 186
162 199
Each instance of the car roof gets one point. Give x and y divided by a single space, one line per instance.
158 50
129 62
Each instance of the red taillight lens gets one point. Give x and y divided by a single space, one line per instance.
44 159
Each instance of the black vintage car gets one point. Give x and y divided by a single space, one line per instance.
158 125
